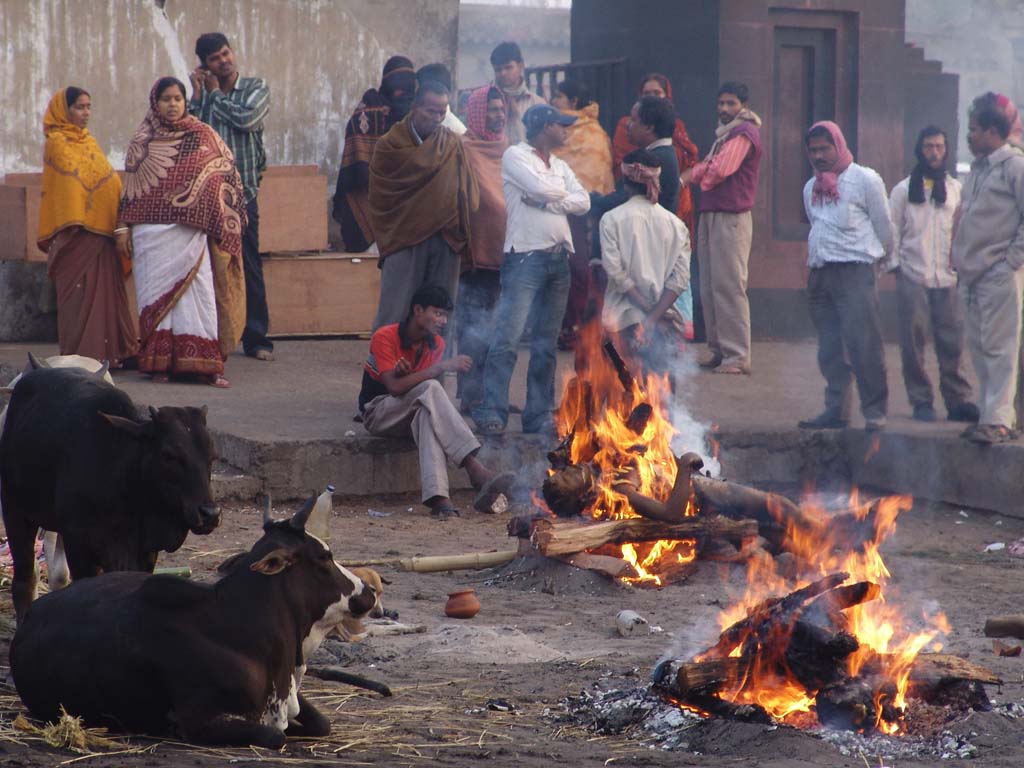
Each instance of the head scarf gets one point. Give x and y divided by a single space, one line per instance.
476 114
398 75
923 170
826 183
1016 137
638 173
80 187
181 172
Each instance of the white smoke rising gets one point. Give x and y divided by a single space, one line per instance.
691 433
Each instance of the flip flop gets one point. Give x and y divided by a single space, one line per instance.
490 428
444 511
491 490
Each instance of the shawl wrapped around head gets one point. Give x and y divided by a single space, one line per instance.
183 173
487 223
80 188
686 154
418 190
588 150
826 183
476 114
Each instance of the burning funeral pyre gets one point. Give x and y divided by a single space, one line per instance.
817 636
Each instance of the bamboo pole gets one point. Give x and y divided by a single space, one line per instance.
434 563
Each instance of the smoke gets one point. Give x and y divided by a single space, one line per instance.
691 433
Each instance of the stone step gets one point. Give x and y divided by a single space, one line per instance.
230 484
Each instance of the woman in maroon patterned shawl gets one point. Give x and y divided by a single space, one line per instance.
185 205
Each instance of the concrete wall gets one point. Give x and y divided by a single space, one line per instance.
981 40
317 55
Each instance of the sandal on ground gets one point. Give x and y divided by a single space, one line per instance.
264 354
490 428
491 490
218 381
733 369
989 434
159 378
444 511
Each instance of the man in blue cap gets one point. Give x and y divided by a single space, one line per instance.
540 192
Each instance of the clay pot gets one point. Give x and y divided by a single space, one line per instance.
462 604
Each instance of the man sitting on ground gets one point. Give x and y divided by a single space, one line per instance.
401 396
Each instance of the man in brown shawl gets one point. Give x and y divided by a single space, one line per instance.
378 110
421 196
480 283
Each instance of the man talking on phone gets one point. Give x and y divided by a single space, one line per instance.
236 107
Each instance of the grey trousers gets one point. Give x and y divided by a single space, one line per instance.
843 302
427 415
993 304
940 308
723 250
431 262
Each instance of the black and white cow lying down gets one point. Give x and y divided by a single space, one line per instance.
215 664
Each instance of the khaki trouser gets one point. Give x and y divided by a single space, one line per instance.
441 435
993 303
723 250
939 309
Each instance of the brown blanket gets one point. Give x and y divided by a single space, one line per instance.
418 190
488 222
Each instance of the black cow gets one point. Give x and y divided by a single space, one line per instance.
219 664
76 459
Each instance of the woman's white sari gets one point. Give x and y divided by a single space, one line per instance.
174 284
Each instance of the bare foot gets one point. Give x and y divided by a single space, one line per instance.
219 381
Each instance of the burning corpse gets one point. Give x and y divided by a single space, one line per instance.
218 664
819 635
75 458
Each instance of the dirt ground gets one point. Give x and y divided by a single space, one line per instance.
530 648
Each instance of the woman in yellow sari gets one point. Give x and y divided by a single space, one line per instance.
77 219
588 151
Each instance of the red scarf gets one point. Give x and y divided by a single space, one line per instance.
181 172
826 183
476 115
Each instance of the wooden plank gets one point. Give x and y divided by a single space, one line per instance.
293 209
322 294
13 223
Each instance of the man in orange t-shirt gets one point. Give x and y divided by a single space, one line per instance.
402 396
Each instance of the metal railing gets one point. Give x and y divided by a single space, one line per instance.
606 81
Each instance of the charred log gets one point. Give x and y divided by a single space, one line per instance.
638 418
625 377
860 704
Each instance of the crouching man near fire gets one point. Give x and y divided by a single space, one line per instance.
645 251
402 396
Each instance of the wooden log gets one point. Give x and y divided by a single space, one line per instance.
858 704
1005 626
816 655
841 598
435 563
565 537
610 566
743 713
931 669
690 678
773 611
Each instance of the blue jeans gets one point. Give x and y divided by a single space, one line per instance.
534 290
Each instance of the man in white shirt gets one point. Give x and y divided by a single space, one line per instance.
923 207
540 191
645 251
850 231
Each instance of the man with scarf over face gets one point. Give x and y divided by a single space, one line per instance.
507 61
378 110
850 232
923 207
727 178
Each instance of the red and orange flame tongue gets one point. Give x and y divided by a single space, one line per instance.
618 421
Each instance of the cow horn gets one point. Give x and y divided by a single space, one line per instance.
102 372
153 413
35 363
299 519
6 390
268 510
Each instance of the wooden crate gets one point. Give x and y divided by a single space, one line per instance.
321 293
293 209
20 195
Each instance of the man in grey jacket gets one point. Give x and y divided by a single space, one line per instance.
988 253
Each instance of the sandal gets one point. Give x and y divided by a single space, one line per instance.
159 378
444 511
989 434
264 354
219 381
490 491
490 428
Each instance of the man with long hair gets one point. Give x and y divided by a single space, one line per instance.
923 208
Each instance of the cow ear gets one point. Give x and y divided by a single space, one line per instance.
273 563
133 428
